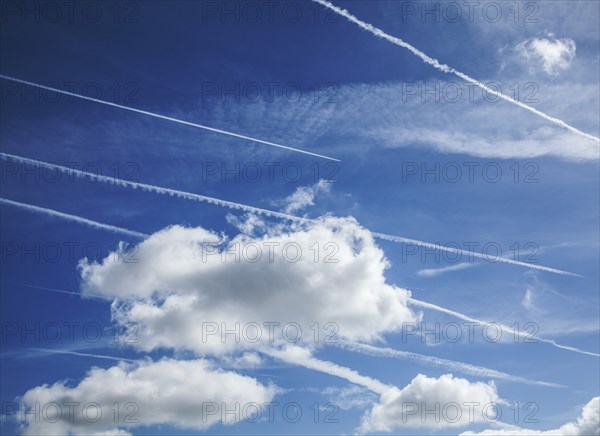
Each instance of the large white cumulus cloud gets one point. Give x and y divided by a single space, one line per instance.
187 394
330 272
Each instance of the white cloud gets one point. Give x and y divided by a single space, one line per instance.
176 290
371 117
304 196
433 403
350 397
112 432
586 425
553 55
433 272
248 359
186 394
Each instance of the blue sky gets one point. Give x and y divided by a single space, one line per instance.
338 91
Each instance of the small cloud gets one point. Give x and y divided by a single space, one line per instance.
350 397
248 224
554 55
304 196
248 360
409 406
528 301
432 272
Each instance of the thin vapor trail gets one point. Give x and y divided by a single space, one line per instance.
164 117
487 257
76 353
503 328
60 291
301 357
447 69
152 188
266 212
74 218
466 368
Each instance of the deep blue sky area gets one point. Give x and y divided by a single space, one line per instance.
307 78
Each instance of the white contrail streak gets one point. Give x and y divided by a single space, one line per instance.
74 218
164 117
447 69
60 291
504 328
466 368
239 206
76 353
487 257
151 188
301 357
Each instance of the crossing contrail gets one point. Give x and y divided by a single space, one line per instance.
252 209
164 117
74 218
504 328
447 69
465 368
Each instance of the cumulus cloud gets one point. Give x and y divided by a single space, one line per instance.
187 394
190 285
434 403
586 425
552 55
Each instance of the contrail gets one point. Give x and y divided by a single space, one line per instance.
76 353
152 188
60 291
74 218
447 69
403 240
504 328
466 368
301 357
164 117
252 209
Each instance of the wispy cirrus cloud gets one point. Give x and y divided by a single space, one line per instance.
434 272
164 117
